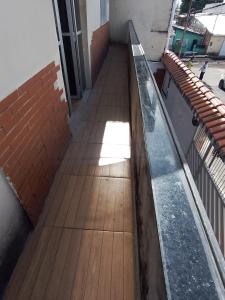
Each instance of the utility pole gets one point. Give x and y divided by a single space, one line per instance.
185 28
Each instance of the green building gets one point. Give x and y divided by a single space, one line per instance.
193 41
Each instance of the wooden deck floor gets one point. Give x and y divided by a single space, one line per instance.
82 247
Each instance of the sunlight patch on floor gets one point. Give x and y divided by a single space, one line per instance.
117 133
110 161
115 151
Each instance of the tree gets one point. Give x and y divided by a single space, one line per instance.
197 5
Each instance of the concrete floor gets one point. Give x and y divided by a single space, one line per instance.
214 73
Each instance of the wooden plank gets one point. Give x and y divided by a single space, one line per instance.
105 272
93 151
66 166
55 185
56 202
82 267
33 269
100 211
92 207
127 171
117 281
22 267
102 167
109 206
75 151
94 267
115 151
81 133
128 207
50 199
117 169
97 132
65 204
119 202
75 199
70 266
47 264
54 284
129 282
87 167
84 203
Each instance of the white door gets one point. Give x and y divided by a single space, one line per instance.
222 50
69 35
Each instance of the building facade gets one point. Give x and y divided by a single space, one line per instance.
193 41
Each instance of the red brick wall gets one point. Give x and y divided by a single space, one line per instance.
99 47
34 134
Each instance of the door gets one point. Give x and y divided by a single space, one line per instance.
70 45
222 50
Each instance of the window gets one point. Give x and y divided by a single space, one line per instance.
104 8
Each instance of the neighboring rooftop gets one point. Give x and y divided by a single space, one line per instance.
188 29
215 8
209 109
214 23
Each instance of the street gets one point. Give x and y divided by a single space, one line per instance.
214 73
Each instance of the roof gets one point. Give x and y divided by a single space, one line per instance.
214 23
214 8
188 29
209 109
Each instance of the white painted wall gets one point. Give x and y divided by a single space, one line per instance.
179 112
28 41
222 50
93 17
93 22
93 8
151 20
215 44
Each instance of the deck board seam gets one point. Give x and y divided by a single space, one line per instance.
86 229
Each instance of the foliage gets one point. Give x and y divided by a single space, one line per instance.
197 5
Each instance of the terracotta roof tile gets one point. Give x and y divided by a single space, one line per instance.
201 107
198 100
209 109
204 89
219 136
215 123
199 84
221 110
214 117
194 94
221 143
216 102
217 129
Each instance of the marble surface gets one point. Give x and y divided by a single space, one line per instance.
189 270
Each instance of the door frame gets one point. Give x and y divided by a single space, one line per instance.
62 51
73 34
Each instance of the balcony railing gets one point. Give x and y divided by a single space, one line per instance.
178 253
208 169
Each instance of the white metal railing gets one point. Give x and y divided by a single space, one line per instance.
208 169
